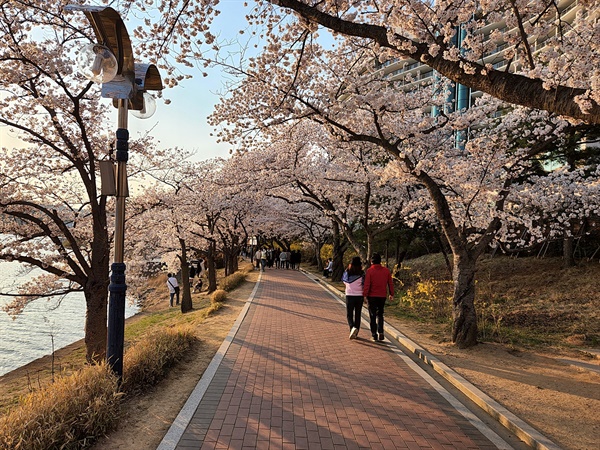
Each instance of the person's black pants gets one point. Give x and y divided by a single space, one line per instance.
376 305
354 304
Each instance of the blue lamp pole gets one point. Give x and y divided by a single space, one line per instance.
127 89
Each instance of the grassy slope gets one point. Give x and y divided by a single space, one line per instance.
525 301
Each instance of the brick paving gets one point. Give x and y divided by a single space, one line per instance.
291 379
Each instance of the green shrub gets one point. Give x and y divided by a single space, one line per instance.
70 413
147 362
219 296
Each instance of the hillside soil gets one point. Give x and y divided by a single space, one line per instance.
559 399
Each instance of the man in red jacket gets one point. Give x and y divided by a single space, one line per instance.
378 281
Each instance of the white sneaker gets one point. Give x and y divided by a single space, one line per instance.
353 333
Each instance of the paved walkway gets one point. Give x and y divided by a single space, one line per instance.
291 379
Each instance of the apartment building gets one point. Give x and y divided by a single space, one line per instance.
410 74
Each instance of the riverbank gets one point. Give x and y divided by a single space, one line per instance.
41 371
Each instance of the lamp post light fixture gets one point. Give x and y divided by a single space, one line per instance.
110 62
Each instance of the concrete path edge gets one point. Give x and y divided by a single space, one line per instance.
523 430
177 428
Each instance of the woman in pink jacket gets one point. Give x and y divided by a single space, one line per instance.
378 281
354 278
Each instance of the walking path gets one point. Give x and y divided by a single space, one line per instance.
287 376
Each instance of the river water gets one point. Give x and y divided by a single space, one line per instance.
29 336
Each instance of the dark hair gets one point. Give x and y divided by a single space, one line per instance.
168 275
376 258
355 267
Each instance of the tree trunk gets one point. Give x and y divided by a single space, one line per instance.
338 254
95 289
96 315
386 251
230 261
568 251
235 259
186 297
464 327
440 240
227 261
211 267
316 260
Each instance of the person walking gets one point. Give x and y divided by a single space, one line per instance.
354 278
173 288
283 259
257 259
378 282
200 271
263 259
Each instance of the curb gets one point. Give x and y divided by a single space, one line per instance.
520 428
175 432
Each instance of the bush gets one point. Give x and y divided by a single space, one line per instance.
70 413
247 268
219 296
230 282
430 297
146 363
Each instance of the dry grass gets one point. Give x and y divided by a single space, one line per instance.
230 282
78 408
147 362
83 404
70 413
525 301
219 296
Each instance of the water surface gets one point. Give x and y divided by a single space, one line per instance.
29 336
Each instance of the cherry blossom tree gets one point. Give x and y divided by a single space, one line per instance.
549 48
295 222
201 209
53 216
304 165
555 206
159 230
163 221
468 183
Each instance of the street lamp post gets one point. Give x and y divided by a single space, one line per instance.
111 62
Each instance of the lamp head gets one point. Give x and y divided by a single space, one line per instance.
148 107
97 63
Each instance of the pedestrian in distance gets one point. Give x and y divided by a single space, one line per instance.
378 285
173 286
200 272
257 259
263 259
354 278
283 259
192 273
328 268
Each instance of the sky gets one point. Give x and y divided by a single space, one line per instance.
182 123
